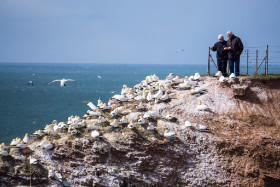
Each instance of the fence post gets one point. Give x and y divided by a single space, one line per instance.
208 67
266 65
256 72
247 60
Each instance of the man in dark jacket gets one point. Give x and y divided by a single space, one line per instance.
222 55
235 48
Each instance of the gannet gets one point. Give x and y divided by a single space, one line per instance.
196 76
169 134
99 76
26 138
165 96
222 79
168 116
62 81
151 127
91 127
188 124
15 141
95 134
120 97
94 113
104 106
44 141
158 95
101 119
170 76
201 107
114 123
90 104
219 74
141 120
180 50
38 133
141 97
21 145
57 176
123 120
2 146
50 172
30 83
197 90
200 127
48 145
130 125
176 79
3 152
149 96
155 78
232 76
140 106
117 111
154 113
33 160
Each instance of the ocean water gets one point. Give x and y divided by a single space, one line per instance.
24 109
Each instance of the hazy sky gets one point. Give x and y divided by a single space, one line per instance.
130 31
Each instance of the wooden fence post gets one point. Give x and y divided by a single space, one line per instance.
247 61
208 67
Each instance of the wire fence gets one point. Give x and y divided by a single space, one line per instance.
254 60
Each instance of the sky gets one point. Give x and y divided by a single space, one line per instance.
130 31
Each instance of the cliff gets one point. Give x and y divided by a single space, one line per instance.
240 147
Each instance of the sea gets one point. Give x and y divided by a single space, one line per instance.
25 108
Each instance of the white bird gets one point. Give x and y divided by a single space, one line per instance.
141 120
44 141
33 160
95 134
169 134
3 152
90 104
30 83
176 79
117 111
222 79
201 107
26 138
38 133
165 96
57 176
94 113
2 146
99 76
62 81
180 50
232 76
130 125
168 116
200 127
114 123
219 74
159 94
48 145
15 141
151 127
170 76
140 106
197 76
188 124
123 120
141 97
101 119
149 96
50 172
21 145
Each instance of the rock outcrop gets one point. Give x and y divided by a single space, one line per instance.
240 147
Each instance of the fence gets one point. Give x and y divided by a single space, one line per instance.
272 58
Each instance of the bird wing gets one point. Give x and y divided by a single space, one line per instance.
53 81
90 104
70 80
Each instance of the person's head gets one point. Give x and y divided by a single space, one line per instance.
221 38
229 34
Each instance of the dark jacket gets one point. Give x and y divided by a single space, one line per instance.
236 47
221 53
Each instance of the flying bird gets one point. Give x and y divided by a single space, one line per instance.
180 50
99 76
30 83
62 81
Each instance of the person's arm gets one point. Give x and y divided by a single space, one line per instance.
241 47
214 48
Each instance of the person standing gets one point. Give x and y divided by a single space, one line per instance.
222 55
235 48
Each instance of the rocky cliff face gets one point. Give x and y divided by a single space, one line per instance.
241 146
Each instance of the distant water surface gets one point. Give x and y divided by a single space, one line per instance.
24 108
